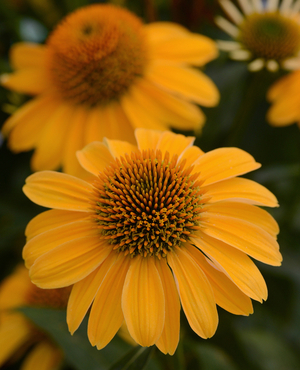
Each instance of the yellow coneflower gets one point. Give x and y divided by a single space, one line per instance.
103 73
17 333
163 223
264 33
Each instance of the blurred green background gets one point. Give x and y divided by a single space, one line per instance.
267 340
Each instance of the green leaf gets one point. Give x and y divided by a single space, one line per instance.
136 359
79 353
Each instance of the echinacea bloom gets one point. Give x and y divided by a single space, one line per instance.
17 333
284 95
102 73
265 33
163 223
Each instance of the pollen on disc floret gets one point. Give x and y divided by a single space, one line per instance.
147 203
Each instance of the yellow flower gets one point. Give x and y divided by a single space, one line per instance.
285 96
267 35
17 333
103 73
163 223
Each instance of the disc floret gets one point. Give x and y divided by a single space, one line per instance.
147 203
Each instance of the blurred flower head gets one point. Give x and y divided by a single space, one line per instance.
17 334
162 223
265 33
284 95
103 73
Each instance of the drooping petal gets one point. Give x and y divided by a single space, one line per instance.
224 163
75 141
44 356
26 124
247 212
106 314
51 239
27 55
49 149
14 332
58 190
143 301
50 220
167 107
29 81
139 116
147 139
168 341
84 292
186 82
94 157
244 236
110 122
174 143
69 263
284 111
195 292
235 264
227 294
243 190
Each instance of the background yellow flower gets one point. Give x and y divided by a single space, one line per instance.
103 73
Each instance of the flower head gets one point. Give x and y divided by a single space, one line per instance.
162 223
103 73
16 331
284 95
266 35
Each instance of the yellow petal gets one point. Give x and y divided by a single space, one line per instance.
174 143
244 236
246 212
191 155
168 341
14 333
106 314
243 190
84 291
223 163
157 32
51 239
26 123
147 139
31 81
188 48
195 292
43 356
27 55
284 111
284 84
143 301
51 219
166 107
94 157
49 149
138 116
186 82
235 264
110 122
69 263
58 190
75 141
120 148
227 294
